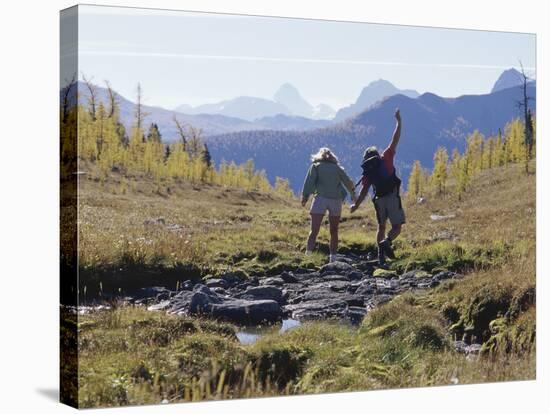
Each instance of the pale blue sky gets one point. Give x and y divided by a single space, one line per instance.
191 58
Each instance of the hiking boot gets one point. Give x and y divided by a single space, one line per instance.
387 247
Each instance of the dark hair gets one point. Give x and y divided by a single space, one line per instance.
370 152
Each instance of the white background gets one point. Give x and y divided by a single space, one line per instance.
29 204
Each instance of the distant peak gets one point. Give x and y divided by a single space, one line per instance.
287 88
508 79
380 82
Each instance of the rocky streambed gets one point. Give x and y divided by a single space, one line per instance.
343 290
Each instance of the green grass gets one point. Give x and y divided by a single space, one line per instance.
131 356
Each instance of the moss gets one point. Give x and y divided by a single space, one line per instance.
521 301
383 273
487 304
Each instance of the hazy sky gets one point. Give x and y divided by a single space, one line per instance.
195 58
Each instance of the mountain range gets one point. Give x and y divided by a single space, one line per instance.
429 121
273 126
372 93
287 100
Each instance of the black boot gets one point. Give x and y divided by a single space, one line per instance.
388 249
381 255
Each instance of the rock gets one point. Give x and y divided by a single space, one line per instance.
200 301
443 235
248 311
444 275
164 305
344 259
377 301
288 277
463 348
339 268
155 221
383 273
187 285
262 292
355 314
203 301
437 217
196 301
235 277
415 274
335 278
428 284
175 228
355 275
317 309
212 283
274 281
389 285
365 288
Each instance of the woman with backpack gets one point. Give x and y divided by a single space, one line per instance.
379 172
327 181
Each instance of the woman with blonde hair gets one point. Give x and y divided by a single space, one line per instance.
327 181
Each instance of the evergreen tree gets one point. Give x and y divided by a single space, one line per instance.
206 157
154 134
282 188
415 185
439 174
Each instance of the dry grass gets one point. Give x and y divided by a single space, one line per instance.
129 356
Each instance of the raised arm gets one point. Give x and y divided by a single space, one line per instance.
396 132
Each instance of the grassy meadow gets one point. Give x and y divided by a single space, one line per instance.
136 230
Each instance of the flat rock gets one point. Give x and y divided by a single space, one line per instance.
339 268
211 283
248 311
334 278
273 281
203 301
262 292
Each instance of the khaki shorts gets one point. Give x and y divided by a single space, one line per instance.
390 207
321 204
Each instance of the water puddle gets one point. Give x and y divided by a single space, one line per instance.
249 335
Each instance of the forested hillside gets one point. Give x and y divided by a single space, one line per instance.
429 122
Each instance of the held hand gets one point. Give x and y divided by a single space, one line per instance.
397 115
352 208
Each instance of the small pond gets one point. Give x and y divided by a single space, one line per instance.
249 335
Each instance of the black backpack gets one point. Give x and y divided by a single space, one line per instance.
371 164
382 187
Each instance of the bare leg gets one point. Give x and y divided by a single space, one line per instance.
394 231
316 220
381 233
334 222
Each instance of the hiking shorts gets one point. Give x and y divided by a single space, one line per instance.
321 204
389 207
